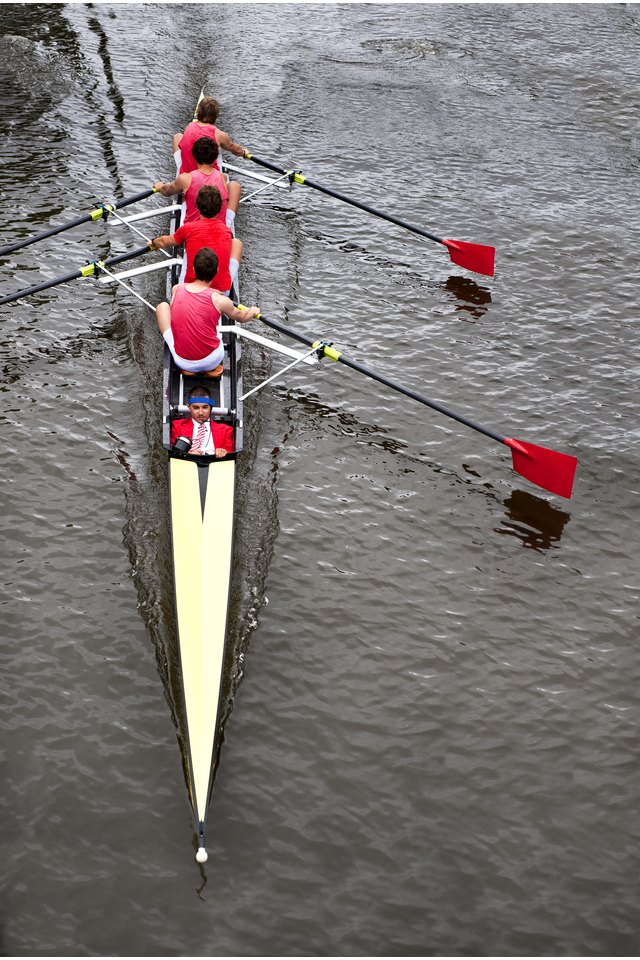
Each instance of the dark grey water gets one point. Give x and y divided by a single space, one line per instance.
434 746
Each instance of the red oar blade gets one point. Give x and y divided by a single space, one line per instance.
547 468
472 256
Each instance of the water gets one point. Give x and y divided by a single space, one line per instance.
433 718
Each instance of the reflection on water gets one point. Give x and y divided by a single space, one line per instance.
113 91
473 298
534 521
342 422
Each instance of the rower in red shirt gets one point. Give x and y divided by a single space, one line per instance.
207 174
204 125
207 436
189 324
207 232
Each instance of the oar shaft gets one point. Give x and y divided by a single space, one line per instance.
335 355
298 178
96 214
421 399
73 275
4 251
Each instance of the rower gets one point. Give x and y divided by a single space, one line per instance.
199 435
205 153
208 231
204 125
189 324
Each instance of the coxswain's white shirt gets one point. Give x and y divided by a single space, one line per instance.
208 446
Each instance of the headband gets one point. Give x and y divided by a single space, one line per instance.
200 400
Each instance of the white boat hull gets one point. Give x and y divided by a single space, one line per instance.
202 510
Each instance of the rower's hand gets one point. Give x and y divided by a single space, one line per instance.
249 313
160 186
220 453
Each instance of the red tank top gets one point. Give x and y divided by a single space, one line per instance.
194 323
192 133
199 179
207 233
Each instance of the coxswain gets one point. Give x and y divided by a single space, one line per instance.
204 125
207 174
207 436
208 231
189 324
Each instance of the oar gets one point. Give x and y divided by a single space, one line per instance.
102 211
549 469
472 256
87 271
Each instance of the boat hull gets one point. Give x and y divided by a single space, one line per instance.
202 497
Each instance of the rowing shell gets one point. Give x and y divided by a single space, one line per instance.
202 501
202 505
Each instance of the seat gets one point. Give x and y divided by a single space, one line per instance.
214 374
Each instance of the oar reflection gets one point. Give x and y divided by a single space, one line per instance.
535 522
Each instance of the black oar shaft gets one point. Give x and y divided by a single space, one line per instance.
4 251
12 297
298 178
73 275
367 371
420 398
96 214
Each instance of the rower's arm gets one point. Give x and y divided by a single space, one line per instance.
180 185
225 141
225 305
246 314
161 243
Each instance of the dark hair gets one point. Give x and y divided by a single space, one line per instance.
205 264
205 150
199 392
209 202
208 110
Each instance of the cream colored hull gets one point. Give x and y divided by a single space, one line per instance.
202 510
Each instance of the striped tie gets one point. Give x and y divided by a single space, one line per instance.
199 441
